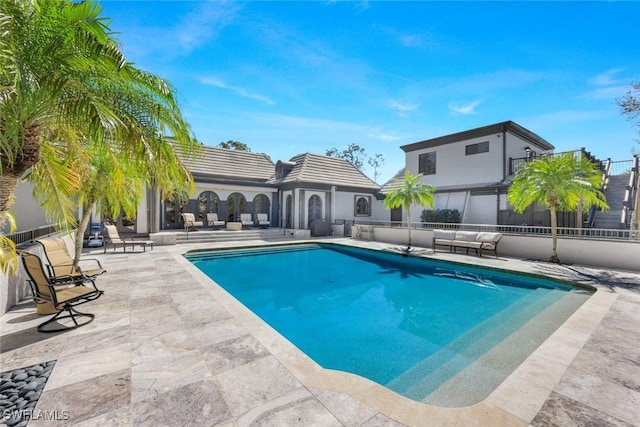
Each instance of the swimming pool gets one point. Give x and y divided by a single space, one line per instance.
436 332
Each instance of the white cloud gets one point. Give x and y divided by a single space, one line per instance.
384 136
402 108
213 81
560 119
608 87
464 109
609 93
410 40
606 78
204 24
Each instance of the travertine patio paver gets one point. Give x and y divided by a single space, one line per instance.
169 347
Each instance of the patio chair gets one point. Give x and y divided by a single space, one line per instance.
113 238
59 297
263 220
213 221
190 222
246 219
60 262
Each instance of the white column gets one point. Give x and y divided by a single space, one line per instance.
296 208
333 204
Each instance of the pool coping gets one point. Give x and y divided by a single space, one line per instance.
516 401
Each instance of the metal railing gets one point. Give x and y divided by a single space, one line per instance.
621 167
516 163
528 230
29 236
631 192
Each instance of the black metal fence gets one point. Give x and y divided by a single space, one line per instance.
29 236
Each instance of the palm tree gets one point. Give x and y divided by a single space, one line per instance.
65 84
411 191
562 182
109 180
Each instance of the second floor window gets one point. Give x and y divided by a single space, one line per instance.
481 147
427 163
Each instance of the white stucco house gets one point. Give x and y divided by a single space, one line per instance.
470 169
293 193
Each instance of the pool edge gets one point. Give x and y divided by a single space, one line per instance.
515 401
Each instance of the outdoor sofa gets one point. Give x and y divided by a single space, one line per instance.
479 241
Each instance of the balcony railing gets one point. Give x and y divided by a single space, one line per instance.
516 163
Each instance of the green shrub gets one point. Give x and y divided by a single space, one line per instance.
441 215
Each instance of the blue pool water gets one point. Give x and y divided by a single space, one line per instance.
410 324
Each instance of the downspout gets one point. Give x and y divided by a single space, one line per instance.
497 206
504 153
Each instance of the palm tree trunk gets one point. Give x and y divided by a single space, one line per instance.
8 184
409 224
82 227
554 235
14 166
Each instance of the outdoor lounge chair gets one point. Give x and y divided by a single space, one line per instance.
213 221
113 238
190 222
263 220
246 219
59 297
60 262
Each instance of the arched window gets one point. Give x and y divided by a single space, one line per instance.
315 209
235 206
261 204
207 202
362 206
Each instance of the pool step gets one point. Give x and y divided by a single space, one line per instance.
202 236
481 377
242 252
425 377
465 343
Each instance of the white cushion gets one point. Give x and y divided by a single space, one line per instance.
468 236
444 234
488 237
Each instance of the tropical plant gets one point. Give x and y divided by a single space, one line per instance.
65 87
410 191
561 182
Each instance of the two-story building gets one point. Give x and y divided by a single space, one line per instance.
470 169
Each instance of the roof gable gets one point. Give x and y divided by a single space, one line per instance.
317 169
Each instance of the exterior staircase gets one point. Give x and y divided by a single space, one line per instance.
615 192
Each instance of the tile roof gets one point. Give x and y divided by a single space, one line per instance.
230 164
395 182
317 169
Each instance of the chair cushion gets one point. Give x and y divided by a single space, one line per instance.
444 234
467 236
488 237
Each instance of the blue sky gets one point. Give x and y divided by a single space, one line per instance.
292 77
